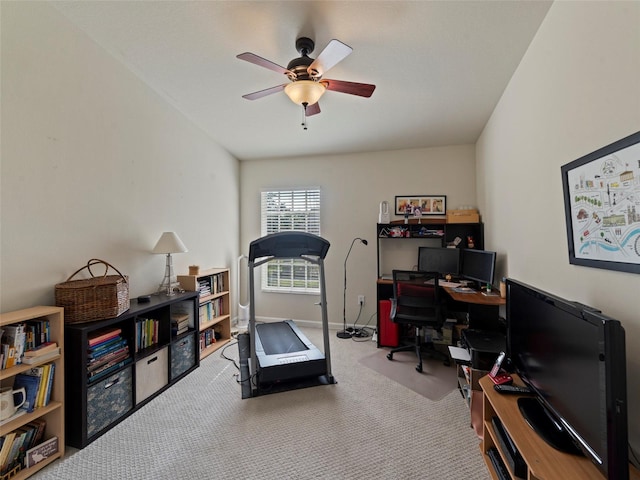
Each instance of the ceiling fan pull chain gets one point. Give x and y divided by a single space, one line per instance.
304 116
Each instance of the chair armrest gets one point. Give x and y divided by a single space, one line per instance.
394 305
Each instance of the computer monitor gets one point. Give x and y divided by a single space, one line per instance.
439 259
478 265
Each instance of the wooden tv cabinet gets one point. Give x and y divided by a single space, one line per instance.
542 460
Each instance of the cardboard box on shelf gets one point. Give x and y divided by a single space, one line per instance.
463 216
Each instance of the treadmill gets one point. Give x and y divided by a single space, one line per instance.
278 356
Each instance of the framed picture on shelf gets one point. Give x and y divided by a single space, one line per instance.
602 206
426 204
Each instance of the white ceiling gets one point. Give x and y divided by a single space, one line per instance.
439 66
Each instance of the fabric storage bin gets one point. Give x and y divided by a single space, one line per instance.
152 373
183 355
108 400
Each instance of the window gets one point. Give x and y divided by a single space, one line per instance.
291 210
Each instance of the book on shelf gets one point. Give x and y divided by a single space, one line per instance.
37 333
108 360
41 349
49 386
7 444
14 452
146 333
179 323
106 347
95 376
38 425
104 336
42 358
44 374
14 336
8 355
42 388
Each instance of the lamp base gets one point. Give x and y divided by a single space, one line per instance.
344 334
169 290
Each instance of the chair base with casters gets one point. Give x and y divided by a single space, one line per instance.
421 349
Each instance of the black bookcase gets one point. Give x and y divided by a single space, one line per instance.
147 357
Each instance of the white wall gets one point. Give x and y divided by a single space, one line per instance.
576 90
96 164
352 188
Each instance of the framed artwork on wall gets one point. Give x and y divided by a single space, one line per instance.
602 206
426 204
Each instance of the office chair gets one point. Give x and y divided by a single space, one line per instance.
416 302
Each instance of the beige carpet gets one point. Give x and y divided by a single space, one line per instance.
365 427
435 382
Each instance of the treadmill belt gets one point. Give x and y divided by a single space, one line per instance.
277 338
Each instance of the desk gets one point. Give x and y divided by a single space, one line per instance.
483 310
476 297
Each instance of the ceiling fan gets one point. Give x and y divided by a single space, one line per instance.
306 85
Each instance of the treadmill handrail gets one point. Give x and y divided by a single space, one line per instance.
288 245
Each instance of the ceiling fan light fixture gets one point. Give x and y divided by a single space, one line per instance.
305 91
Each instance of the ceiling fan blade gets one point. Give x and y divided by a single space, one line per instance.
352 88
263 62
333 53
265 92
312 109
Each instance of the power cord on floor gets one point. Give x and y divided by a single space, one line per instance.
363 333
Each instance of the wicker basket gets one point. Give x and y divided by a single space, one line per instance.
93 298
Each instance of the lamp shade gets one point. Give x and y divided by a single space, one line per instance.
305 91
169 243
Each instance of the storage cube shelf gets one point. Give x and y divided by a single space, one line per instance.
212 286
53 413
160 349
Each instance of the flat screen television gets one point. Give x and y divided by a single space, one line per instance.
573 357
439 259
478 265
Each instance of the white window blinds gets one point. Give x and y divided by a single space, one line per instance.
290 210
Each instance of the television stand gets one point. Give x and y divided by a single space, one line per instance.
542 460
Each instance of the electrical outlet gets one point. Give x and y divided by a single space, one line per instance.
360 299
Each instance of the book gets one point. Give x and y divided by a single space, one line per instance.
15 337
38 425
15 449
97 376
30 384
102 337
42 388
42 358
37 372
107 347
41 349
49 386
10 357
6 448
41 452
28 437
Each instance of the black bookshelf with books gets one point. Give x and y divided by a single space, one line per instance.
127 361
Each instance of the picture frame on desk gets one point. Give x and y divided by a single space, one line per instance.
427 204
601 204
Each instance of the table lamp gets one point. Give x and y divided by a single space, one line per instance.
169 243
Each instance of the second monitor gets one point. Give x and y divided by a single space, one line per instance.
439 259
478 265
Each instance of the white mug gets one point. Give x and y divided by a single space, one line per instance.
7 401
